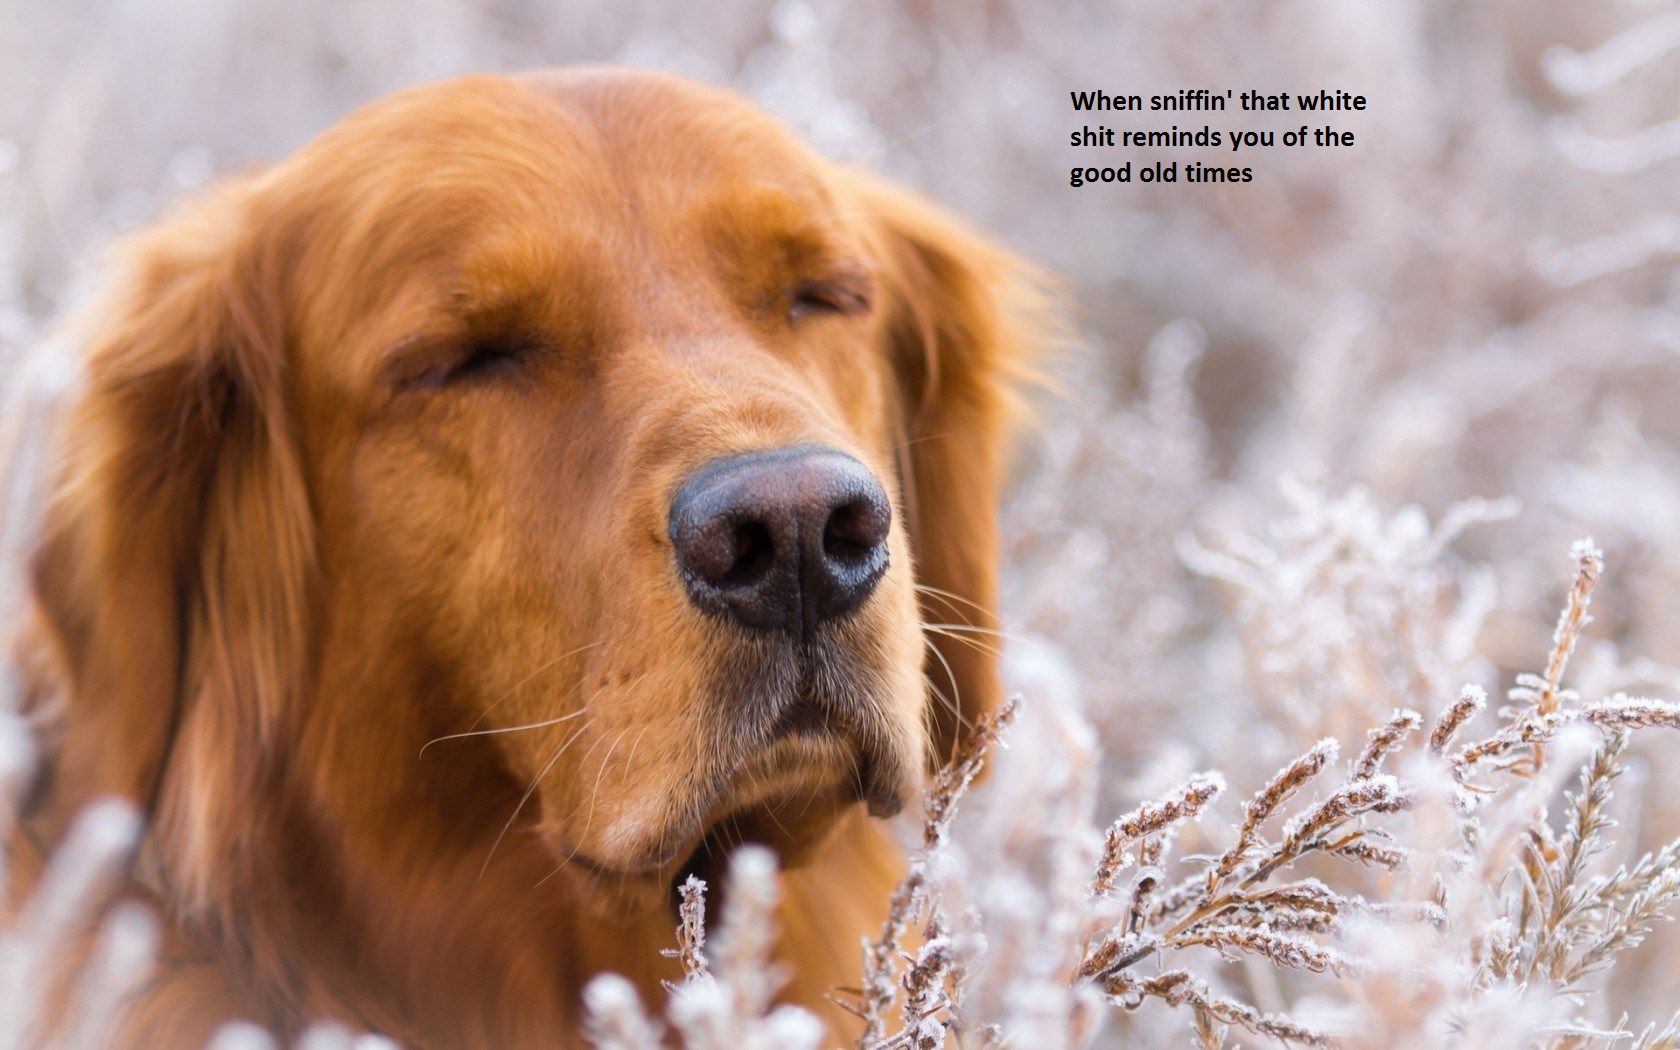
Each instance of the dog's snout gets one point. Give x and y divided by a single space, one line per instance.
781 540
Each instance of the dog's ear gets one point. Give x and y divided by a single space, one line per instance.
965 321
170 583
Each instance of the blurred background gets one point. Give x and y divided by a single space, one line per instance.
1220 538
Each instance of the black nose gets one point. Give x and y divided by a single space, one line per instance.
781 540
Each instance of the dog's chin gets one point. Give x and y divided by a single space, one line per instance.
805 734
789 796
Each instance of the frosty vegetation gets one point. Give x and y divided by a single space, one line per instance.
1322 738
1435 877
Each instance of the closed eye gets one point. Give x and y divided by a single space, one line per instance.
490 358
482 360
849 298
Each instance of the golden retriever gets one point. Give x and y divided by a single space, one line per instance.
488 515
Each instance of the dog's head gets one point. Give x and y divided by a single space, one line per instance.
591 413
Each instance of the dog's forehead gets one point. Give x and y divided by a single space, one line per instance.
594 158
592 139
598 183
675 126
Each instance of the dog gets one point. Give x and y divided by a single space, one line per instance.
487 516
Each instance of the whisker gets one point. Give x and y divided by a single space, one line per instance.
576 846
857 778
587 755
969 628
499 729
630 759
973 643
595 792
526 797
600 773
962 720
771 813
954 702
951 596
811 796
521 683
939 694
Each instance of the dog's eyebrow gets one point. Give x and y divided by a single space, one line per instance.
510 276
506 288
466 310
772 239
800 224
766 199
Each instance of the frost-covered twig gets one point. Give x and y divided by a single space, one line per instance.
691 930
881 955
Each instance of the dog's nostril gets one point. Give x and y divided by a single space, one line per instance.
854 531
728 554
754 552
781 540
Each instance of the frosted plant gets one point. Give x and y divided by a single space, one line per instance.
1339 602
71 892
928 1002
1493 925
1491 929
1100 610
726 1003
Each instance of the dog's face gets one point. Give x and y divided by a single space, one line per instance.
610 437
624 434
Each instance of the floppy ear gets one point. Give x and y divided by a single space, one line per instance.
170 582
965 320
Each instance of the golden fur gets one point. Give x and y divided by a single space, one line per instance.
302 544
